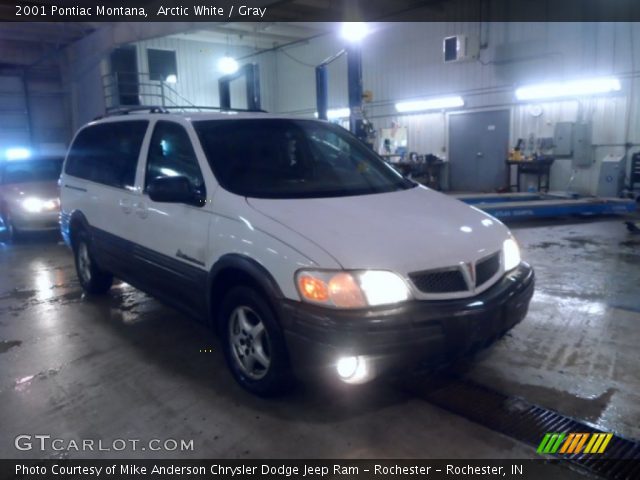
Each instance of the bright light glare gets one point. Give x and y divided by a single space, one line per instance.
17 153
347 366
354 31
382 287
33 205
575 88
511 254
354 370
432 104
227 65
336 113
171 79
169 172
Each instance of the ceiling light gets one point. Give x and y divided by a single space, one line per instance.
432 104
336 113
576 88
227 65
171 78
354 31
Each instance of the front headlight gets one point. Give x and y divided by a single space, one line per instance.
511 253
37 205
356 289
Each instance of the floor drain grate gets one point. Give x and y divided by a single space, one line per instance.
529 423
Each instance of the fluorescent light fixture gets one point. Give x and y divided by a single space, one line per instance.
440 103
336 113
575 88
171 78
17 153
227 65
354 31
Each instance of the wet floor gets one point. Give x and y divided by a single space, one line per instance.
124 366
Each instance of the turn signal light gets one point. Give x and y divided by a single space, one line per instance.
313 289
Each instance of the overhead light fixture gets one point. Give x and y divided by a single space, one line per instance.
354 31
440 103
17 153
336 113
173 78
227 65
575 88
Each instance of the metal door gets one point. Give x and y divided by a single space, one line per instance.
478 147
124 66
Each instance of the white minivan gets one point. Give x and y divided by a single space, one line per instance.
306 251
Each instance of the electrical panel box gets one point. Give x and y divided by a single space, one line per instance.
582 151
611 178
563 139
459 48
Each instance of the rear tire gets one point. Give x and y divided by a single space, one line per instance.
253 343
92 279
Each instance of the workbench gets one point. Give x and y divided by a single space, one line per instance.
541 168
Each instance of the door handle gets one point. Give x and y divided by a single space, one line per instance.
141 210
125 205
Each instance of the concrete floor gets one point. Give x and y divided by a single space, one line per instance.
124 366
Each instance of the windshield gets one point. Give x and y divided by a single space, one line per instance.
23 171
276 158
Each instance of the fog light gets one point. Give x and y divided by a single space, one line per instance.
354 369
347 366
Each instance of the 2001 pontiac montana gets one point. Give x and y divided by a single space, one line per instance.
305 250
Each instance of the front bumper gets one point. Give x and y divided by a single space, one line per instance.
406 336
36 222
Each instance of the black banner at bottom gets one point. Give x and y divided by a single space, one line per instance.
293 469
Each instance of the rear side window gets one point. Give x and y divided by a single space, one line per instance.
107 153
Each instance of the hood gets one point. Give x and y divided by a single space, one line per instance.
404 231
18 191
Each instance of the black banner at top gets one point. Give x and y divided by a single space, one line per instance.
319 10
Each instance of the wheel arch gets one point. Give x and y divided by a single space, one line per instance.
232 270
77 222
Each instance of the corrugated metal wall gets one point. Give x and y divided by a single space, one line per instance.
403 61
198 74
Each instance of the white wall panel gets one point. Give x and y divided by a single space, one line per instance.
403 61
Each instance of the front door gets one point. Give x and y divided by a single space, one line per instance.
478 148
172 242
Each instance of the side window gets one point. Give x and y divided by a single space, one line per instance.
171 154
107 153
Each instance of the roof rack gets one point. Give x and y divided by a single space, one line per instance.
164 110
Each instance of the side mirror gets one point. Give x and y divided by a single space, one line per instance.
174 190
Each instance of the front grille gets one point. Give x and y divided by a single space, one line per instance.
439 281
487 268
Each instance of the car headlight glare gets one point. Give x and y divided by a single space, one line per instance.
33 205
37 205
511 253
357 289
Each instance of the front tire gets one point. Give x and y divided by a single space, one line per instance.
92 279
253 343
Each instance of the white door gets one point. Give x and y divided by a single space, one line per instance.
172 238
